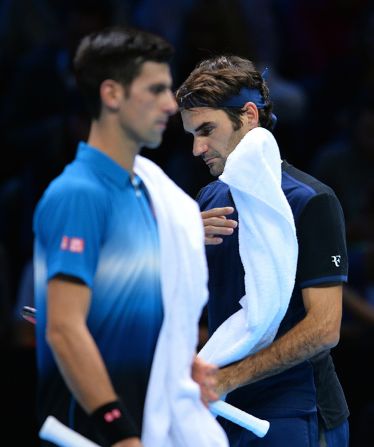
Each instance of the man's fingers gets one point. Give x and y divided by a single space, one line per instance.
205 374
219 222
213 234
217 212
213 240
208 388
211 230
216 224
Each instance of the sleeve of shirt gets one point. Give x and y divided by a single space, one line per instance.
70 225
322 243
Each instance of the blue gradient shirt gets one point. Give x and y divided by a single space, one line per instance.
96 223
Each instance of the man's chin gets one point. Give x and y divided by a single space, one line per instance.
154 144
215 171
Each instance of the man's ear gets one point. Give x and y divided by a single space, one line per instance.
251 114
111 93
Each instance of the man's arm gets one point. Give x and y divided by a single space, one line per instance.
75 350
318 331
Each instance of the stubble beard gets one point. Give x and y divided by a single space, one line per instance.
217 168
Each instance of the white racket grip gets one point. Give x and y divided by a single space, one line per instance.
258 426
55 431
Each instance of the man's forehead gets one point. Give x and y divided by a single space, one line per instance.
199 115
155 73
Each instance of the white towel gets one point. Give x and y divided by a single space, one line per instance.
267 245
174 415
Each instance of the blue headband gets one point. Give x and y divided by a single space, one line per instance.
245 95
248 95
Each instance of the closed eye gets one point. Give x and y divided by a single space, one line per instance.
205 129
206 132
157 89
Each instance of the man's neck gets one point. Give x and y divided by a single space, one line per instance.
110 140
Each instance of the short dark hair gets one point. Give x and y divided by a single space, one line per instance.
215 80
115 53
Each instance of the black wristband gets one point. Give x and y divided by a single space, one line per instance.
114 423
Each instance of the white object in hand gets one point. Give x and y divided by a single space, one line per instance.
258 426
54 431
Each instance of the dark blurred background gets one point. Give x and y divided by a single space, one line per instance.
321 59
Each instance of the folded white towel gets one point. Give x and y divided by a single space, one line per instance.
267 245
174 415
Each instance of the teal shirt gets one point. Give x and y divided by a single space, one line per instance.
95 224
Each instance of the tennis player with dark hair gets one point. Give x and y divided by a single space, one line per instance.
100 260
291 382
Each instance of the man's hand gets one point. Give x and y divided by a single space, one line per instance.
130 442
216 224
205 375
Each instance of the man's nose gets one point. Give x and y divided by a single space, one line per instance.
199 147
171 104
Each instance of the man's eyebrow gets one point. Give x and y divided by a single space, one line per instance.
160 85
203 126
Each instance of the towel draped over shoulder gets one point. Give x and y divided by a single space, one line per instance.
174 415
